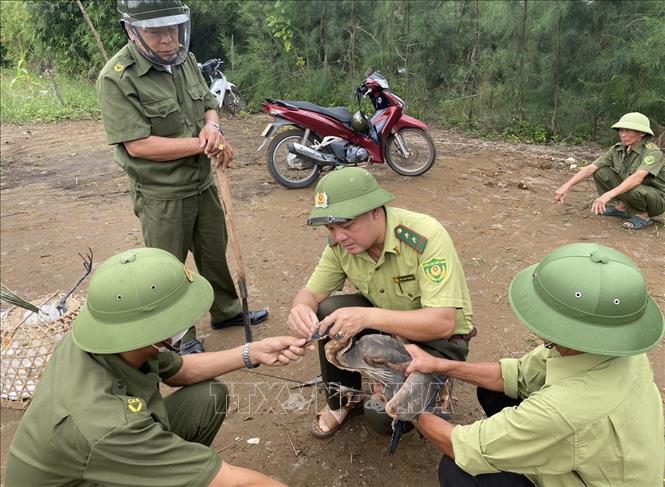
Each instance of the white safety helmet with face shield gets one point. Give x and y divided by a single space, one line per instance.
160 29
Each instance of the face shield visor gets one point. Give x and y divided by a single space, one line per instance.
162 40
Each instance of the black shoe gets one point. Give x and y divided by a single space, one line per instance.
255 317
191 346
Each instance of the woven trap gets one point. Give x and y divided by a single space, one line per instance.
28 340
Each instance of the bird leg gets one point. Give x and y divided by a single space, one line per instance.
87 265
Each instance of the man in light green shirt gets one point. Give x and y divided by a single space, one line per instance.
580 410
404 265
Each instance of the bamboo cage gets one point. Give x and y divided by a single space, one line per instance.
28 341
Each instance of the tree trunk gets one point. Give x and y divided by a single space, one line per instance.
520 68
554 128
474 65
407 40
94 32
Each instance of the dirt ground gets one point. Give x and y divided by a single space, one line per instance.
62 193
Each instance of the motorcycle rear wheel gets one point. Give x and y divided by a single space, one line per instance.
233 102
422 152
281 162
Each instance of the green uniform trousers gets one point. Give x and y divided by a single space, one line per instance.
640 199
197 412
454 348
194 223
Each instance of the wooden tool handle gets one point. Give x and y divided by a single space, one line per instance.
225 196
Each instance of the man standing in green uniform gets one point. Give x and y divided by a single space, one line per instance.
98 418
632 172
157 110
582 410
405 267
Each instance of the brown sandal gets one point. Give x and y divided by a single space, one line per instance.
330 421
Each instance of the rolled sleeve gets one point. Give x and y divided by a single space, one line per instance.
468 451
510 375
329 275
169 364
531 439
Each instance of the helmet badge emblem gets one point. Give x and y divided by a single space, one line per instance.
321 200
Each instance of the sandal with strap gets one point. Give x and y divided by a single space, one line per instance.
613 211
330 420
637 223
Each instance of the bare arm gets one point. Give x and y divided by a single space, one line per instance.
231 476
632 181
302 318
199 367
438 431
161 149
581 175
484 374
418 325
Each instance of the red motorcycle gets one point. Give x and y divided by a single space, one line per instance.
320 139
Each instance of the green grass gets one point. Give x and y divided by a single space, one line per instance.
26 97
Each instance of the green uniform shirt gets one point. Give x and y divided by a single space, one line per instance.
403 279
139 99
586 421
95 420
644 155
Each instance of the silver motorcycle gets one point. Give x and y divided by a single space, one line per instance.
227 94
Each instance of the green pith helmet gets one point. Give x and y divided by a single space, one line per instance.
634 121
157 14
346 193
138 298
589 298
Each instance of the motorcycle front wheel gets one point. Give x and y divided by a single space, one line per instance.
414 156
288 169
233 102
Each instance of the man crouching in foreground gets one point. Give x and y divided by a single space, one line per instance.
580 410
98 418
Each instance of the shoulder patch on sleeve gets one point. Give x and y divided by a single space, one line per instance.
413 239
648 160
435 269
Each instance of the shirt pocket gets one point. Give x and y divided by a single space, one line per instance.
407 289
164 115
197 93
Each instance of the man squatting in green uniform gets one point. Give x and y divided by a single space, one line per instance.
405 267
98 418
158 111
582 410
632 172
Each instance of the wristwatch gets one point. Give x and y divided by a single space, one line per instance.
245 357
216 125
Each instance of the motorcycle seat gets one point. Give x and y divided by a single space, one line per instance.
341 114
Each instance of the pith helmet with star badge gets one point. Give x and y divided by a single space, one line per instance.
346 193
